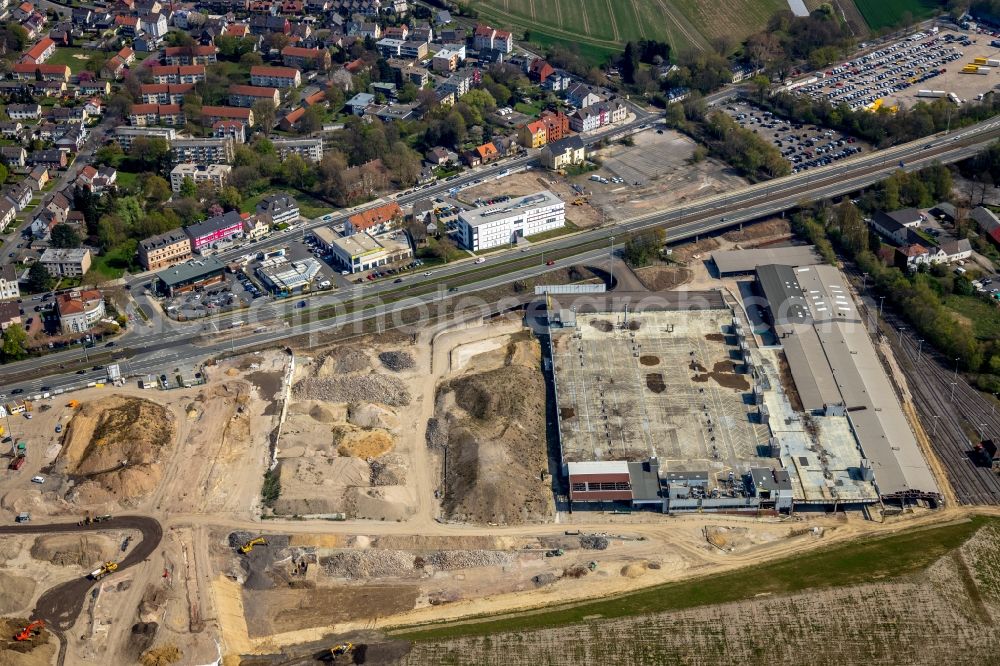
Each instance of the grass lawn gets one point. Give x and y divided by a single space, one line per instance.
985 316
64 55
112 265
887 13
127 179
554 233
858 561
533 109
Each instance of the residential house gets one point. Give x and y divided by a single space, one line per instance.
598 115
483 154
437 156
178 73
413 50
389 48
582 95
291 120
310 150
52 158
66 262
19 194
41 51
256 227
24 111
213 114
27 71
204 235
113 68
8 213
458 83
9 288
895 225
944 211
956 250
486 38
144 115
166 249
229 129
194 54
533 134
164 93
275 77
303 58
374 220
556 125
448 58
280 208
13 156
10 315
79 311
539 70
911 256
11 130
247 96
202 151
97 180
37 178
215 174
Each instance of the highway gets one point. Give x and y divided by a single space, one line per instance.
168 343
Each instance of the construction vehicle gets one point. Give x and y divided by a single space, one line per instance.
73 404
342 648
30 631
98 519
579 201
248 546
592 566
18 462
103 570
558 552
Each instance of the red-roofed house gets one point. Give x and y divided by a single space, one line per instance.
178 73
303 58
211 114
533 134
22 11
486 38
292 119
127 25
40 52
237 30
79 311
246 96
556 125
374 220
539 70
27 71
127 55
164 93
275 77
114 68
194 54
355 66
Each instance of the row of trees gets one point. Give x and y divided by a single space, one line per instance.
747 151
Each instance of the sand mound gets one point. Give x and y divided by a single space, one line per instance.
73 549
341 361
15 592
115 444
324 414
361 443
160 656
382 503
634 570
368 415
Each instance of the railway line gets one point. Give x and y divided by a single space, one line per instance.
953 414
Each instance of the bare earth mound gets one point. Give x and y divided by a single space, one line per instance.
114 447
73 549
496 449
15 591
354 388
361 443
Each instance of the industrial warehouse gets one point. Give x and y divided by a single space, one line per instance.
671 401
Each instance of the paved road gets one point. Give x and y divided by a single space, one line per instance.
61 605
158 348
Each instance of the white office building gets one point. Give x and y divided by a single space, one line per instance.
502 224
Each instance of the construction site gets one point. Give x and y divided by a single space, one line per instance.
303 504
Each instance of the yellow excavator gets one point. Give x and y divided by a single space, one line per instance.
248 546
342 648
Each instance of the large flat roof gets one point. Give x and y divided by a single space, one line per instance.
747 261
783 293
486 214
190 271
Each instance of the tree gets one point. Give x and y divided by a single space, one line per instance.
264 114
3 174
39 279
629 63
251 59
149 153
156 189
230 198
192 108
188 188
312 120
64 236
15 342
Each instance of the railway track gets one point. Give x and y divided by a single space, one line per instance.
954 414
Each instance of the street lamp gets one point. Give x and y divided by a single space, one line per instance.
611 264
864 281
881 300
920 344
953 385
901 329
934 431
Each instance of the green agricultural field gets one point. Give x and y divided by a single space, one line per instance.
887 13
598 28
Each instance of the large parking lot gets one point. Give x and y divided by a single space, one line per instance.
803 145
894 74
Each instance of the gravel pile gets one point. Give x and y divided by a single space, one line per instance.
368 563
543 579
397 361
468 559
437 433
345 360
592 542
354 388
388 471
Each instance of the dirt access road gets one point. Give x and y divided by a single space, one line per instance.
61 605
